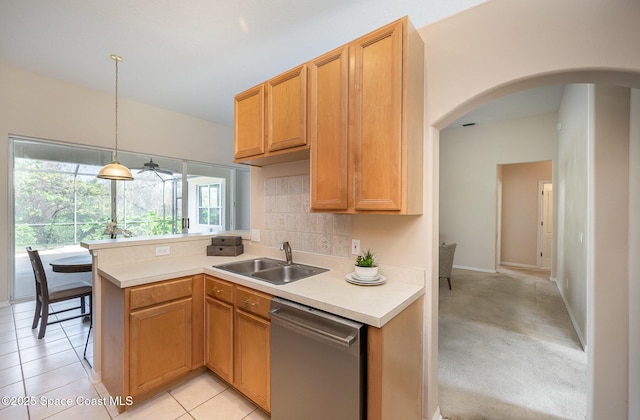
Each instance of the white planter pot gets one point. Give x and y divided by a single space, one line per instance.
366 272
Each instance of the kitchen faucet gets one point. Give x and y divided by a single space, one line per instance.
287 252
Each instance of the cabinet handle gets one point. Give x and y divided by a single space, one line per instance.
248 302
214 290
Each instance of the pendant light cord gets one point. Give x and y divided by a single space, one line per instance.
116 59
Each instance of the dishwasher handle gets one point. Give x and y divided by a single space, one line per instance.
291 322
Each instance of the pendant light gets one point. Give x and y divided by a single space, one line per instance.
115 170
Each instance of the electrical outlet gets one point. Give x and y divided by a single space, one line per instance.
255 235
163 250
355 246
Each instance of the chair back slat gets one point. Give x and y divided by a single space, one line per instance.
42 288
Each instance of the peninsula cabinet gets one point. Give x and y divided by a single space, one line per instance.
238 338
375 161
152 335
270 124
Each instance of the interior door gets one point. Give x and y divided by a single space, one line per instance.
546 224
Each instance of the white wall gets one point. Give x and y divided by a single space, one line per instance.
469 157
608 253
571 196
41 107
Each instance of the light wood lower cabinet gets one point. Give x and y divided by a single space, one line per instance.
219 327
152 335
155 336
394 366
219 342
238 338
253 358
160 344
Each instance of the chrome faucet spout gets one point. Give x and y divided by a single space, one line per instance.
287 252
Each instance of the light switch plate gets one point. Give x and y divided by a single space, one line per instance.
163 250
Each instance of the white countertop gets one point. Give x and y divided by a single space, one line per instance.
329 291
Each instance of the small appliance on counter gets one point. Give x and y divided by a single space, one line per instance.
228 246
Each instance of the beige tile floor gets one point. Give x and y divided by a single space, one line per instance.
51 378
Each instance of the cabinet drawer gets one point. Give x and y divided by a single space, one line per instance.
165 291
218 289
253 301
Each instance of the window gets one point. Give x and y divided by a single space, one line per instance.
210 204
58 201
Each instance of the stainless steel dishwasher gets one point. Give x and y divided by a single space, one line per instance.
318 364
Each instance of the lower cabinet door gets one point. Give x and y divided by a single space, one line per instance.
160 344
219 338
252 358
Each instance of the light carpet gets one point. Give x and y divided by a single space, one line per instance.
508 350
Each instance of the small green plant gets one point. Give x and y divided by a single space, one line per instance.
367 259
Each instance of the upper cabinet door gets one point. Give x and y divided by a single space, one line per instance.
328 129
377 141
287 110
249 123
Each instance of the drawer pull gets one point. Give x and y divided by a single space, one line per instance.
214 290
248 302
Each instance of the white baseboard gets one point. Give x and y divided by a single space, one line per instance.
484 270
573 320
4 304
437 415
512 264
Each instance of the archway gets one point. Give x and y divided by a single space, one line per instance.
502 47
604 304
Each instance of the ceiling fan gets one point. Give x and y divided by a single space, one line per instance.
154 167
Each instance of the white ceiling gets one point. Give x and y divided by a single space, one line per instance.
527 103
190 56
193 56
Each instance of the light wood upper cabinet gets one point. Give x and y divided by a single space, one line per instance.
383 157
328 129
287 110
249 123
377 129
271 120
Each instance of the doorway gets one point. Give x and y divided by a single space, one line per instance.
524 224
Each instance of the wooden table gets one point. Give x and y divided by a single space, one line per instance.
75 264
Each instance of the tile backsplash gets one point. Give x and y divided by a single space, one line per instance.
287 218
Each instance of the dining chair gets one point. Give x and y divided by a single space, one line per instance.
447 251
46 295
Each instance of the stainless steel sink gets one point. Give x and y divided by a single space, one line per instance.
271 271
247 267
287 273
